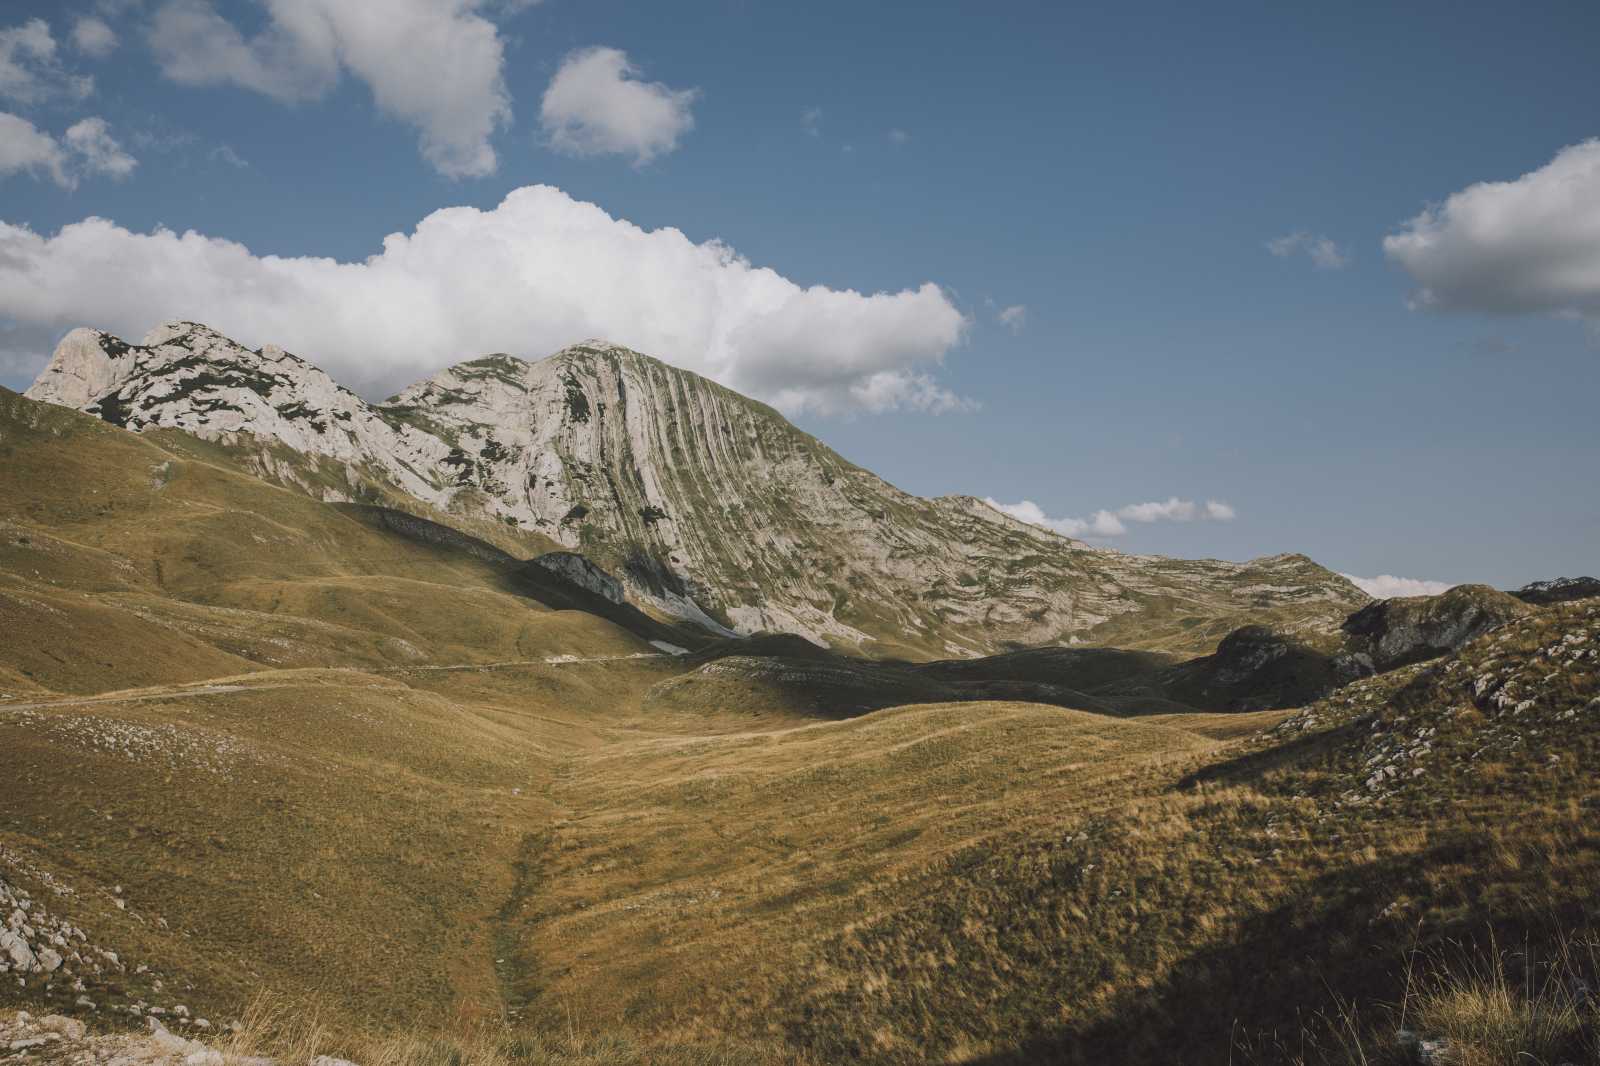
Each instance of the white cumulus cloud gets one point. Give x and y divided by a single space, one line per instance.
87 147
1387 586
1014 317
1529 245
536 273
94 37
1322 251
1105 523
30 66
597 105
435 64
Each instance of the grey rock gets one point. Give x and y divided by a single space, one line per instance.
14 947
581 572
641 464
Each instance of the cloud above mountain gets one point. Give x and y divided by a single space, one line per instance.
1105 523
1387 586
1528 245
436 64
536 273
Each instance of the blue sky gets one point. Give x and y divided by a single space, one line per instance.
1119 171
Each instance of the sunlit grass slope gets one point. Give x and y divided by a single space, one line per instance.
125 562
252 743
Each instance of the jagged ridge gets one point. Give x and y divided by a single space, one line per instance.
708 505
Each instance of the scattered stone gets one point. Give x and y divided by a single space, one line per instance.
69 1028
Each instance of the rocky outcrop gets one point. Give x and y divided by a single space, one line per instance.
189 377
1255 668
581 572
1531 694
1561 590
45 956
706 505
1391 633
66 1041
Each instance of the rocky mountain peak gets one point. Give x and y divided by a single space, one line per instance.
708 505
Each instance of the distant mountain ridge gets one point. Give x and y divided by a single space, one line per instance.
708 505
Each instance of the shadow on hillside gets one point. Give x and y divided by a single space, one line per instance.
1252 766
1266 996
522 577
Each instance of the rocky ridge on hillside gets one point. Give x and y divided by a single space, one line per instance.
1521 693
707 505
1394 632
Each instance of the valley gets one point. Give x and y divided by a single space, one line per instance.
294 730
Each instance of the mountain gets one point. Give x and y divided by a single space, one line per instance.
1560 590
267 758
709 506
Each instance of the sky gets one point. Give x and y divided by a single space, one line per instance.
1203 280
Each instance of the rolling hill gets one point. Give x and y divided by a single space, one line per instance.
383 776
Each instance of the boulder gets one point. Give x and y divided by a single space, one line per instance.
14 947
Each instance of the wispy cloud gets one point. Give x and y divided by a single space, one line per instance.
94 37
811 121
1322 251
1107 523
1013 318
98 152
224 153
899 137
31 71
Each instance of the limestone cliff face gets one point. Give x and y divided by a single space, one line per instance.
186 376
708 505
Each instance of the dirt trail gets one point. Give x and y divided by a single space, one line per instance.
178 692
136 697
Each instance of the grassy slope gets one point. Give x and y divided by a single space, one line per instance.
293 826
106 537
995 882
346 816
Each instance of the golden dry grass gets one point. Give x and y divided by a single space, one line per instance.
332 764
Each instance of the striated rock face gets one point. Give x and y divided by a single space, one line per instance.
1391 633
707 505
